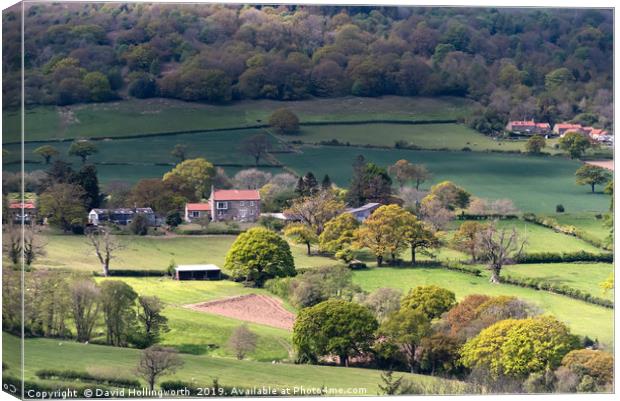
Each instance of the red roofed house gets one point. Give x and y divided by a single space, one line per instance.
27 210
561 129
528 127
195 211
227 204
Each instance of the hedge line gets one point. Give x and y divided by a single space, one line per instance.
539 284
564 257
553 224
135 273
54 374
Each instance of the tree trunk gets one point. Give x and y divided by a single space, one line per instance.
379 260
152 383
413 255
344 361
308 245
393 259
495 270
592 188
106 269
256 159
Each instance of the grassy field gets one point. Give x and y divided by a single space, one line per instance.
427 136
152 253
582 276
200 369
535 184
583 318
131 117
584 221
543 239
220 147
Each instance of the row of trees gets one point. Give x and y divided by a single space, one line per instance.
500 343
551 65
64 306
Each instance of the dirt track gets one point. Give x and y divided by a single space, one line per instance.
608 164
254 308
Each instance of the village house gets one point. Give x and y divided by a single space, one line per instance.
121 216
562 128
225 205
26 210
528 128
595 134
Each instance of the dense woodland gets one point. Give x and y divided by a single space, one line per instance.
546 64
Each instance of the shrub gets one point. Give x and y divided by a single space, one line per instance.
559 208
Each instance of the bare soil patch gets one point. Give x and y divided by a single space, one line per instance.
608 164
255 308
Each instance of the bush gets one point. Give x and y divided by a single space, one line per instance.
559 208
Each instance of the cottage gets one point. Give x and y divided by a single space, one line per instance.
562 128
195 211
121 216
363 212
22 211
198 272
528 127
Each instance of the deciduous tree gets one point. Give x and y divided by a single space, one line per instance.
157 361
431 300
301 234
316 210
592 175
46 152
82 148
405 329
575 144
242 341
535 144
256 146
497 247
284 122
150 316
105 246
63 206
118 302
384 232
192 176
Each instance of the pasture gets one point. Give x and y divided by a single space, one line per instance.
582 276
587 222
534 184
152 253
426 136
43 353
583 318
148 116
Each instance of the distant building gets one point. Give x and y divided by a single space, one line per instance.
227 204
595 134
121 216
528 127
363 212
197 272
195 211
563 128
26 211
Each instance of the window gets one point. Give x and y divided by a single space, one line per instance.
195 214
242 203
251 203
222 205
243 212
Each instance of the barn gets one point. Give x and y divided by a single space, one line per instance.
198 272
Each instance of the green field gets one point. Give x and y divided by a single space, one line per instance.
582 276
152 253
535 184
583 318
586 222
426 136
201 369
132 117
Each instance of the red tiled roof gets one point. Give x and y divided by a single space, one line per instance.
20 205
236 195
542 125
523 123
198 207
568 126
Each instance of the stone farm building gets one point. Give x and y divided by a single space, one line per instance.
225 205
121 216
528 128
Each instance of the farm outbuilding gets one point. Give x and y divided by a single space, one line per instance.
198 272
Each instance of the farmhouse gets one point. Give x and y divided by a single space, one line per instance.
528 127
363 212
121 216
26 210
562 128
227 204
198 272
595 134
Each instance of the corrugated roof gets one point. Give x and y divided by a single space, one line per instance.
194 268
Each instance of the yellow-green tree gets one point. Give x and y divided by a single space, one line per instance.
535 144
301 234
405 329
339 233
192 176
431 300
465 238
418 236
383 232
518 347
